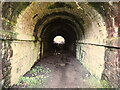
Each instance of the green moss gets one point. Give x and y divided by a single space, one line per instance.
104 84
13 34
39 74
96 83
8 34
99 6
19 7
102 7
60 5
11 10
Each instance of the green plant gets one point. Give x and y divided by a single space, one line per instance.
94 81
39 69
104 84
36 81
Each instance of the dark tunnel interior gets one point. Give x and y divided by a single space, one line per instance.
59 27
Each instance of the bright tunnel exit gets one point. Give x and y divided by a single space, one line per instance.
59 40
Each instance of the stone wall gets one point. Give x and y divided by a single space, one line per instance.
111 72
92 57
101 61
17 58
88 51
25 54
103 51
0 47
112 54
6 64
18 54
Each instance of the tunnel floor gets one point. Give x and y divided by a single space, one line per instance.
66 72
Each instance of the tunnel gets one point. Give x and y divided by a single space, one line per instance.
59 26
91 31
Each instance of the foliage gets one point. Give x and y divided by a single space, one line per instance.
15 8
96 83
105 84
37 80
8 34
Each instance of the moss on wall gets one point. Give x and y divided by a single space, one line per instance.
7 53
10 12
98 6
8 34
60 5
102 7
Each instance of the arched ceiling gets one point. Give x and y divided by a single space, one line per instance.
35 18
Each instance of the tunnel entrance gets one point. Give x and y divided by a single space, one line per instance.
61 26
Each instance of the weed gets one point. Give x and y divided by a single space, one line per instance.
95 82
105 84
39 75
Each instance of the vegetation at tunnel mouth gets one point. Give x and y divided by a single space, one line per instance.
36 78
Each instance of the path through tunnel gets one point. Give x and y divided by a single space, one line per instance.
91 48
60 24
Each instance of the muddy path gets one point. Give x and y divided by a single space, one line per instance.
66 71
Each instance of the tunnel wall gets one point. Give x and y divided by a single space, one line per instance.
18 53
94 62
18 58
0 47
111 72
105 54
92 56
23 59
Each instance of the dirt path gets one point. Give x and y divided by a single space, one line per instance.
66 71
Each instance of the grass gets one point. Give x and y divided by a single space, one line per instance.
104 84
96 83
39 74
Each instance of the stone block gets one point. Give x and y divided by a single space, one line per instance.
92 57
28 53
